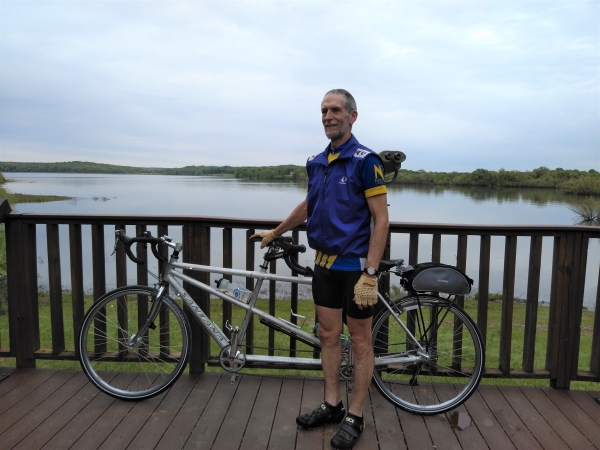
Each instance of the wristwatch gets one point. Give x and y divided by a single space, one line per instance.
370 271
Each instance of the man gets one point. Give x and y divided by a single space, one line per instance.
347 222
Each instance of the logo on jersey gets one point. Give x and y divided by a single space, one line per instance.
343 180
361 153
312 157
378 173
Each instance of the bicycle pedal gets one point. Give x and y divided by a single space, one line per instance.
234 378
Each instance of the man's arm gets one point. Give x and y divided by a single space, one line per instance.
296 217
379 211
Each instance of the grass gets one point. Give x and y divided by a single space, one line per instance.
306 308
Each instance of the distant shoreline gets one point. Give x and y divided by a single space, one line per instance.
568 180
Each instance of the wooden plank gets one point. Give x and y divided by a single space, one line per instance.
55 289
33 399
99 284
559 428
15 379
210 421
574 425
29 420
57 425
96 432
587 402
368 438
508 300
232 429
531 308
487 424
182 426
387 426
162 417
470 438
484 285
283 433
415 431
10 399
536 424
313 392
513 426
258 430
436 248
77 298
130 425
202 243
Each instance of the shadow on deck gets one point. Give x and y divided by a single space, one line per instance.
60 409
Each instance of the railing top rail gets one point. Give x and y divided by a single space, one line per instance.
228 222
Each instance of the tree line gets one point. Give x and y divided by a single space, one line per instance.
571 181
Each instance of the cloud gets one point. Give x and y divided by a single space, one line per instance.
456 85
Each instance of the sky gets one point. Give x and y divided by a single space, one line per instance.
456 85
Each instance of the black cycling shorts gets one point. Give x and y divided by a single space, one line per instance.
335 289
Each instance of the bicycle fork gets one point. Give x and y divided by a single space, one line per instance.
136 339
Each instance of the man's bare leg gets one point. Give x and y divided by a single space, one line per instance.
360 331
330 329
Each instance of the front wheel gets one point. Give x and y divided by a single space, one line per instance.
439 368
125 365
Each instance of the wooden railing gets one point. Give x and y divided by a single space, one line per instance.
569 265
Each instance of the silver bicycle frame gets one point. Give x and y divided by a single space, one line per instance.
172 276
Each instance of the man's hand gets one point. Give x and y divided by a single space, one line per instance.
365 291
267 236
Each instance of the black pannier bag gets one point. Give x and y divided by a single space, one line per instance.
436 277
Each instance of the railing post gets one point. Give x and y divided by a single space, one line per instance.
55 288
595 359
77 296
484 285
250 286
197 251
508 300
227 263
294 295
21 262
531 309
568 311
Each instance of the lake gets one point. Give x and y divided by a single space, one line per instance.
230 197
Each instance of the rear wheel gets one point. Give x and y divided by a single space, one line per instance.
441 374
127 366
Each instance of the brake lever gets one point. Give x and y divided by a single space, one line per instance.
116 242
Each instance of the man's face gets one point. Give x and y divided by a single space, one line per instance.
336 120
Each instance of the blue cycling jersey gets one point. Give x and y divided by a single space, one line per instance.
338 218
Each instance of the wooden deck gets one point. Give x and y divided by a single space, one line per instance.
60 409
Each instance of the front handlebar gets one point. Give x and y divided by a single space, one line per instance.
282 247
145 238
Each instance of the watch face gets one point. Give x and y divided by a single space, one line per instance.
371 270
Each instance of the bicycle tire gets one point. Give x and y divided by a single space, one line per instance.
455 359
149 368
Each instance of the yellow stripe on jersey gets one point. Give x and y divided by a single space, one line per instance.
332 157
377 190
330 261
378 172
